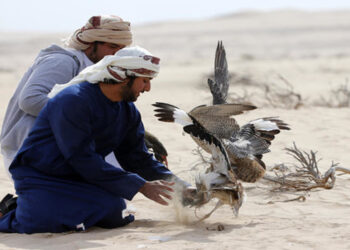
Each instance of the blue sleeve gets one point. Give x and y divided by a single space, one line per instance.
133 154
71 123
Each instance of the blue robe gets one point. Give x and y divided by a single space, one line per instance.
61 178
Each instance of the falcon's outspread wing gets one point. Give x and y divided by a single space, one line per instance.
218 120
220 110
220 158
170 113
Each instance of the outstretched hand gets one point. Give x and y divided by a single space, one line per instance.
156 190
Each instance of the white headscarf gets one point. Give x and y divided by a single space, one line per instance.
127 62
108 28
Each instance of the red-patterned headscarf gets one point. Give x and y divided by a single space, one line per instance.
126 63
111 29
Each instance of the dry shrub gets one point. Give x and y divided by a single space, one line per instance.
305 175
244 97
245 80
282 96
280 93
338 98
242 91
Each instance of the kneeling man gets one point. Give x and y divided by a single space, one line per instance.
61 177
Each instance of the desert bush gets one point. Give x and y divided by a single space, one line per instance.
339 97
282 95
303 175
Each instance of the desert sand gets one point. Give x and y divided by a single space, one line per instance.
310 50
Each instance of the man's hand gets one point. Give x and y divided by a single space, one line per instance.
154 190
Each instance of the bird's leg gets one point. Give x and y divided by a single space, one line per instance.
235 209
219 204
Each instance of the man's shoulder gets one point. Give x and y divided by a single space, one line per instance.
58 54
55 49
131 106
134 113
72 98
83 90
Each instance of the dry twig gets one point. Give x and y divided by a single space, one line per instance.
203 159
306 175
339 97
245 97
278 96
300 198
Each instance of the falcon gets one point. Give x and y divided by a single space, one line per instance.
244 145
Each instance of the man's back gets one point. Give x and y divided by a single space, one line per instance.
53 65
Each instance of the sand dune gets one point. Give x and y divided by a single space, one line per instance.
309 49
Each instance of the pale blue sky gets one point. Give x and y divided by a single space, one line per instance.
67 15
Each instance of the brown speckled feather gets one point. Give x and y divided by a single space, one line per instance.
217 118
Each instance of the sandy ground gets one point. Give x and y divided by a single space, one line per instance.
310 50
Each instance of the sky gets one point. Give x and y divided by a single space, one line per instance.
67 15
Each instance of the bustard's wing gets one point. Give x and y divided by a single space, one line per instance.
254 138
246 147
218 120
219 87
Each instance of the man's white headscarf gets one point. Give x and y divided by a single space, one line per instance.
126 63
111 29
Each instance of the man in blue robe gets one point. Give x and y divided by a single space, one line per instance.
61 177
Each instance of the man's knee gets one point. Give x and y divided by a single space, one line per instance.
114 217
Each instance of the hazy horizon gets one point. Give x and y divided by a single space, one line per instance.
44 16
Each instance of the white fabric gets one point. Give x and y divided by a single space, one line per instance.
123 63
111 159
